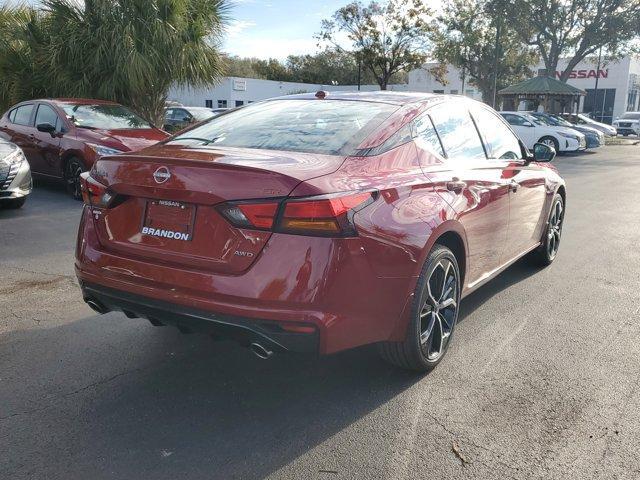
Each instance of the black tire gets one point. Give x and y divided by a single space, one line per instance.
547 140
418 351
546 253
14 203
72 170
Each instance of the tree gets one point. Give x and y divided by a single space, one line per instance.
272 69
466 38
235 66
130 51
387 38
576 28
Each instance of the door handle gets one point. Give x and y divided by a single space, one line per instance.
456 185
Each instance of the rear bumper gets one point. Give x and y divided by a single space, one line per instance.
244 330
326 283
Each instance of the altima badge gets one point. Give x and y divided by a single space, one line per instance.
161 175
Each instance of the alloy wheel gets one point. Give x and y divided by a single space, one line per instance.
555 230
440 310
72 177
548 142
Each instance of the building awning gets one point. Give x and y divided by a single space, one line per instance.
542 86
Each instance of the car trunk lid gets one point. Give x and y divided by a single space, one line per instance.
165 199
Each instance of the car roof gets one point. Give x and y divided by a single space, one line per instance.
380 96
80 101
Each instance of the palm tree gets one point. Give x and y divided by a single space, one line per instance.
130 51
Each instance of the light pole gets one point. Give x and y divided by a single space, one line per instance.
495 59
595 90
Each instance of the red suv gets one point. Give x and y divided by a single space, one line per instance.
62 138
319 223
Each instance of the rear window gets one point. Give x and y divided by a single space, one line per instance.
333 127
22 115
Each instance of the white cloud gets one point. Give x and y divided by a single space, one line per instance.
235 27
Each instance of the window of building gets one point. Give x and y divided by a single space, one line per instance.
454 91
239 103
22 115
438 91
470 92
600 104
222 104
208 103
457 132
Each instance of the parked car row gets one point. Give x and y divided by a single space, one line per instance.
533 129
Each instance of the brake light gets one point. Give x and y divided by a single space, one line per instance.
94 193
327 215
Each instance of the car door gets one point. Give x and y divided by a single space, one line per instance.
468 182
46 150
526 181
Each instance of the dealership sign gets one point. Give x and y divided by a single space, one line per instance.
586 73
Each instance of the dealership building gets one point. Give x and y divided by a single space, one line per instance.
618 88
233 92
618 85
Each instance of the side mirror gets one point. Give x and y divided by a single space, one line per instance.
46 128
186 119
543 153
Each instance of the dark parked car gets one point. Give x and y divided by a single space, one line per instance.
320 223
594 137
62 138
15 176
178 118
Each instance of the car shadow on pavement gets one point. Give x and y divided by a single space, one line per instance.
516 273
109 397
144 402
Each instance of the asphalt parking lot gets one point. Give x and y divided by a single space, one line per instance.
542 380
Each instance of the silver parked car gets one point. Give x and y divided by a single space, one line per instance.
15 176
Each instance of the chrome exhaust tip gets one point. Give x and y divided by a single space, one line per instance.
97 307
260 351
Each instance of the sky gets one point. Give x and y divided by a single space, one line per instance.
276 28
273 28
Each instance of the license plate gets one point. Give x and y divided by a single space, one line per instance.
169 219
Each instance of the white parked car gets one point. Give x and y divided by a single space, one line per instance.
583 120
15 176
532 131
628 124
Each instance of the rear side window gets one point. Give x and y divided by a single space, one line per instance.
497 137
515 120
12 115
456 131
22 115
46 114
426 136
333 127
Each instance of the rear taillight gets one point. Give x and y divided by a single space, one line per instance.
327 215
94 193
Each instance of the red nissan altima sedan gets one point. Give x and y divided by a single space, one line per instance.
318 223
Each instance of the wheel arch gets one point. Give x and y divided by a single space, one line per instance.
452 235
68 155
562 191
